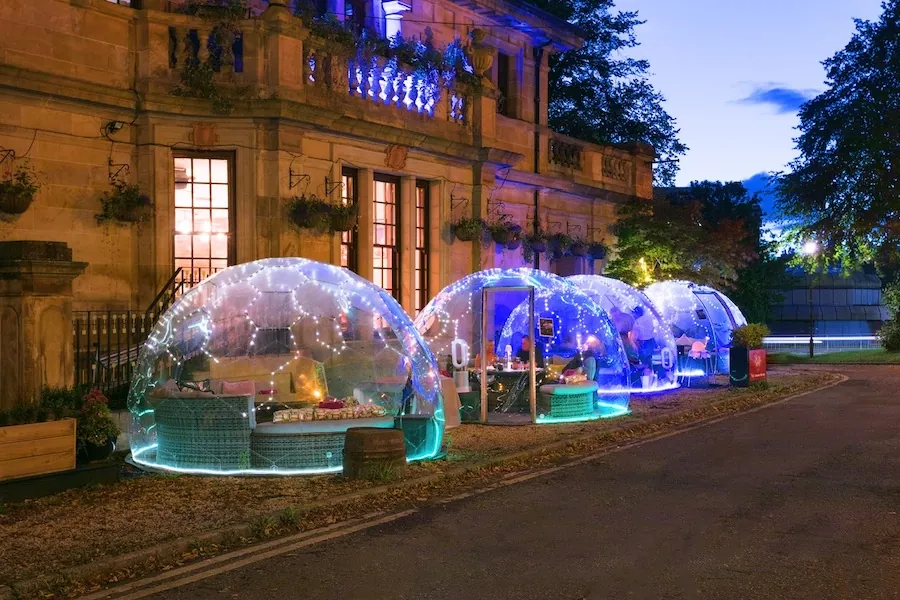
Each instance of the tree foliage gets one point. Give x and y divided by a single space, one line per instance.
600 96
709 233
844 188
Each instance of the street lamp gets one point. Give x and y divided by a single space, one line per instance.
810 249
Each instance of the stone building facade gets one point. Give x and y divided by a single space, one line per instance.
86 97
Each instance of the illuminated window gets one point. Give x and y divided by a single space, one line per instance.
202 217
349 195
386 251
421 253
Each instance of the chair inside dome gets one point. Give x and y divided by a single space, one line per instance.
645 335
263 367
701 320
483 328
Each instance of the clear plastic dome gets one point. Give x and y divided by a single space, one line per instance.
572 332
702 321
263 367
646 336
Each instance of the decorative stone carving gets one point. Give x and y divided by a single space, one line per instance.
480 55
565 154
204 134
395 157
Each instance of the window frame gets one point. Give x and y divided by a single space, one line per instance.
397 247
350 239
421 252
230 158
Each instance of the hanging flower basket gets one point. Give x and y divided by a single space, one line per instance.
536 243
17 189
559 244
468 229
597 251
343 218
578 248
309 212
503 232
516 242
125 204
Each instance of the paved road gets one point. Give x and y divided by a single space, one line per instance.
800 500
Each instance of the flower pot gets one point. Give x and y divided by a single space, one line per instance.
538 246
597 251
89 452
464 235
132 214
502 236
514 244
343 221
306 217
14 203
578 249
557 247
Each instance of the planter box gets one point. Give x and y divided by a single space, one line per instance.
37 449
747 366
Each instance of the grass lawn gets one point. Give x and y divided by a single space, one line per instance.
876 356
80 527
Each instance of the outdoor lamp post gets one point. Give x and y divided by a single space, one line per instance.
809 249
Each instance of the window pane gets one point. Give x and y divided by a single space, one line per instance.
219 246
183 220
219 196
201 196
201 246
183 195
201 170
220 220
183 171
380 234
182 247
219 171
201 220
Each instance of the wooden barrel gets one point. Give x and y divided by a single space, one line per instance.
374 453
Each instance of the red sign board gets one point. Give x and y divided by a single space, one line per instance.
757 365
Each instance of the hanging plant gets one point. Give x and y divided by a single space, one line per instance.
516 241
310 212
125 204
18 188
597 250
536 242
559 244
578 247
468 229
343 216
503 230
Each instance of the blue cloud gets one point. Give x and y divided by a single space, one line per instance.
784 99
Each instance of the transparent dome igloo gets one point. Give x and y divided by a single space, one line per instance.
486 315
262 368
646 336
702 320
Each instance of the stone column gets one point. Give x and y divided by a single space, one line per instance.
35 319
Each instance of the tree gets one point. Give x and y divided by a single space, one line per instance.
844 188
600 97
709 233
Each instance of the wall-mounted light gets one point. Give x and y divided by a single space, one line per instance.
113 127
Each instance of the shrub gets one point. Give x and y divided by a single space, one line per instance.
750 336
890 334
95 423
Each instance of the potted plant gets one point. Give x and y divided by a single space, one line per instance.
309 212
18 188
597 250
97 431
468 229
516 240
578 247
559 244
344 216
536 242
503 230
125 204
747 358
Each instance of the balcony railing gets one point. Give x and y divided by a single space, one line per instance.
565 154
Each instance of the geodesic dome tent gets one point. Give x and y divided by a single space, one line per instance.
702 320
262 368
487 315
645 334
